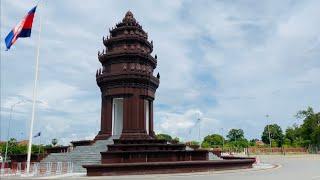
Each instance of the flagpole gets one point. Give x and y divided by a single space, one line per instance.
34 98
39 145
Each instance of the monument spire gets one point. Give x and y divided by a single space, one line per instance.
128 17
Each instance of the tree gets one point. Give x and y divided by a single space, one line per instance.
235 135
310 125
240 144
275 134
287 142
192 143
12 142
54 141
315 136
164 136
293 136
15 148
237 145
252 142
212 141
175 140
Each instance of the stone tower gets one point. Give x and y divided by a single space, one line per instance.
127 82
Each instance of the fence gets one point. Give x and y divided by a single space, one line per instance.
276 150
38 169
314 149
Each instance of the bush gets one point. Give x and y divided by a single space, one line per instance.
164 136
212 141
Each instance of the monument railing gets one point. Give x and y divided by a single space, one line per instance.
37 169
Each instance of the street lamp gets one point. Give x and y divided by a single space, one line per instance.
199 137
8 133
267 116
222 138
199 121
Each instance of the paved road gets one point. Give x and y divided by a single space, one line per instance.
290 167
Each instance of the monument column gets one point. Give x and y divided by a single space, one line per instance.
106 118
151 132
134 118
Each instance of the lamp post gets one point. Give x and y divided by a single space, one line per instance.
222 138
267 116
8 133
199 137
198 121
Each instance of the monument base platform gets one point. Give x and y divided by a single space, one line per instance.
167 167
154 156
101 136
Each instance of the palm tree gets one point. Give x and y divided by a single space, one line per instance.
54 142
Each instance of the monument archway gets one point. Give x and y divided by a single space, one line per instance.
147 115
117 116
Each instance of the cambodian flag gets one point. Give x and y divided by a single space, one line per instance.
23 29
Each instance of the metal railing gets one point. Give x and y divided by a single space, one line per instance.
37 169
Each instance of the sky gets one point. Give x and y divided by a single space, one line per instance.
228 63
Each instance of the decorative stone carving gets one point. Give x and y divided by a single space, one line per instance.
132 66
138 67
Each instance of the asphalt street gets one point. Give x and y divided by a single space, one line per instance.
289 167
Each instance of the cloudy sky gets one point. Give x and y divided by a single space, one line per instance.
228 62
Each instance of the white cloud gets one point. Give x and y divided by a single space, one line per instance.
178 124
233 62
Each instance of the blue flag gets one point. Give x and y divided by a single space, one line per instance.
37 135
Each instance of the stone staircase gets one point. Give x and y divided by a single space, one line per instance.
81 155
214 157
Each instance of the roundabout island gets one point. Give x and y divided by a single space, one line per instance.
128 89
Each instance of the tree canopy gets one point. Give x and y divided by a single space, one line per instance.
54 141
276 135
212 141
166 137
235 135
310 129
15 148
308 133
